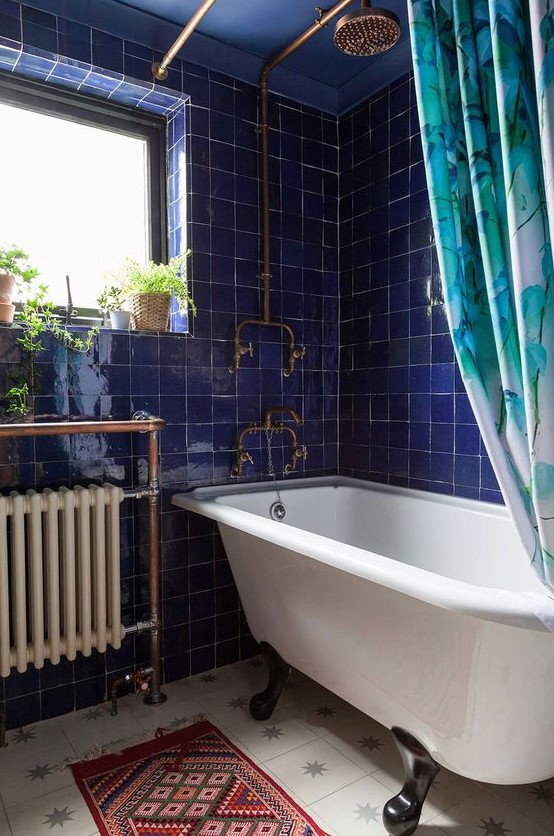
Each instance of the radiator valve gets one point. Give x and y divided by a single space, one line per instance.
137 682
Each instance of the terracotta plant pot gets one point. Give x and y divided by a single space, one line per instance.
7 287
6 313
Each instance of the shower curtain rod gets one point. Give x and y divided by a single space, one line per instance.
159 69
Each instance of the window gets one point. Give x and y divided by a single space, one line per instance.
83 185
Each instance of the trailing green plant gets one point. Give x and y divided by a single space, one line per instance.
36 317
17 400
112 298
151 277
15 261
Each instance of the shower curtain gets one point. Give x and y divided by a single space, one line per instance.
484 76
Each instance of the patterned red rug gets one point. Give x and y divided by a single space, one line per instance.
192 782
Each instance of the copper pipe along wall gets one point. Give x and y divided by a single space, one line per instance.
159 70
152 426
155 695
264 131
85 427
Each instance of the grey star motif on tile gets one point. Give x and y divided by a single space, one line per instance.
272 733
367 812
93 713
494 828
208 677
371 743
58 817
237 702
314 768
24 735
326 711
256 663
177 721
39 772
543 793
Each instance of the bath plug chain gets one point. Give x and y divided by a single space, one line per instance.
277 510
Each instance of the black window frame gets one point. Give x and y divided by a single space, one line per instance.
84 109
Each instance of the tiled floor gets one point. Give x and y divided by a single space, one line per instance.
338 764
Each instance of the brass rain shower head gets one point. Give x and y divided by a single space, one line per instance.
367 31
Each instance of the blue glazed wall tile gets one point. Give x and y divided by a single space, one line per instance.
213 193
393 320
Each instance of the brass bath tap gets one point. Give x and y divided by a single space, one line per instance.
268 425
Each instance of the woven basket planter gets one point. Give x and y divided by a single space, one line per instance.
149 311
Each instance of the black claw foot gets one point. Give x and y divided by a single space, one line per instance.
401 814
263 704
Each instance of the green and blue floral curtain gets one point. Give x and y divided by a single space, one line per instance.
484 74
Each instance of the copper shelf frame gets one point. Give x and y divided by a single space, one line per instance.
240 349
143 424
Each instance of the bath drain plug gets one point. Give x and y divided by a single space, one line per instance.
278 511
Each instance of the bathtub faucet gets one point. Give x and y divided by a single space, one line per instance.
298 451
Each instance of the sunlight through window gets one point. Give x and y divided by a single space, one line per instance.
75 197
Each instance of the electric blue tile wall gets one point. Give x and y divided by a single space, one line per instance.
404 416
213 198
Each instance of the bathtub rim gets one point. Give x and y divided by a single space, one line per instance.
515 609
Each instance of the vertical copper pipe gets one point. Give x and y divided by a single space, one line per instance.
155 695
264 132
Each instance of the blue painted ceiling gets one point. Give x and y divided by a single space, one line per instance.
261 29
238 36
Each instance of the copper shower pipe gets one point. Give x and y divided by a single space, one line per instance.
159 70
323 20
295 353
143 424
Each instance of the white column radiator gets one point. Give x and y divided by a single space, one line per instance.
59 575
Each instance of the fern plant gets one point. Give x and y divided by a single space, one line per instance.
150 277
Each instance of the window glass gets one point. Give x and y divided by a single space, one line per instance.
75 197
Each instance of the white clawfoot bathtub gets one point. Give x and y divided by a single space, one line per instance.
416 608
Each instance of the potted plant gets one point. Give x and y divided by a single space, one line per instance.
14 270
111 301
149 289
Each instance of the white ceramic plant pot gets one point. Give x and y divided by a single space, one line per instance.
120 320
7 287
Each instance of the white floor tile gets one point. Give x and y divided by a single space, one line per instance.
534 800
487 814
322 712
64 809
5 829
34 772
314 770
369 744
229 705
269 739
94 727
339 765
204 684
355 810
